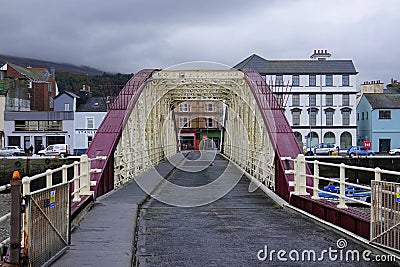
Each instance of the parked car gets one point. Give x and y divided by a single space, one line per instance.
394 151
360 151
325 149
11 151
61 150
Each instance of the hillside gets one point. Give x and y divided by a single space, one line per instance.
59 67
71 78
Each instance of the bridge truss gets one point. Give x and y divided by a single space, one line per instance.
140 131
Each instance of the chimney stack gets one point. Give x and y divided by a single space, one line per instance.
320 54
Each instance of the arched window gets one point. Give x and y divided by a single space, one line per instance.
345 140
299 138
314 140
329 137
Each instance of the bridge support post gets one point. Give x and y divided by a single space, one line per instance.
15 221
342 200
84 185
300 177
316 180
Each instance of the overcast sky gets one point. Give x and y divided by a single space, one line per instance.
128 35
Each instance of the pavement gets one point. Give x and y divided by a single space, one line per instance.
105 236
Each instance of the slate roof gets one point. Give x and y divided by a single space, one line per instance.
93 104
35 74
383 101
266 67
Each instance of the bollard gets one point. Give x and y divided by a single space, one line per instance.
15 221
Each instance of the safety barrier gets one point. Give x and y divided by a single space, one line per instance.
46 207
342 195
384 197
385 214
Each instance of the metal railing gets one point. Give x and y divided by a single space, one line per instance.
385 214
39 194
301 187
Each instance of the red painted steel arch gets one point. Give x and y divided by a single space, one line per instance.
110 130
107 136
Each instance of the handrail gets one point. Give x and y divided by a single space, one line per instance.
301 188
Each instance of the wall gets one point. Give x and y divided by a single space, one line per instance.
67 121
81 132
61 100
385 129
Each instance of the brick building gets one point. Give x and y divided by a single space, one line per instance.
40 84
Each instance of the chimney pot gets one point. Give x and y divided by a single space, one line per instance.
315 51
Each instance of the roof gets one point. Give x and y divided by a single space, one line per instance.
265 67
93 104
67 93
380 101
35 74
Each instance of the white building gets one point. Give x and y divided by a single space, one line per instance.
318 96
88 113
23 128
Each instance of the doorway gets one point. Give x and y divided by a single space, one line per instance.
384 145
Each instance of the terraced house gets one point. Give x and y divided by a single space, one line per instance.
318 96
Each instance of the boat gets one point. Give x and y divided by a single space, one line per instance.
351 191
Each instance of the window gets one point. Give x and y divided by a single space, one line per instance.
37 126
296 100
384 114
329 99
296 117
185 122
312 80
279 99
345 117
210 122
210 107
89 139
51 102
362 116
358 116
66 107
89 123
367 115
312 101
184 107
345 100
329 80
345 80
279 80
296 80
329 118
313 118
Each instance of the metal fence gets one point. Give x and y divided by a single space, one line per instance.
47 224
343 195
385 214
46 206
384 202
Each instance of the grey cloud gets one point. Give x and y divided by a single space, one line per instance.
127 35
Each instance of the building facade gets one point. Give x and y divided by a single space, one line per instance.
198 120
318 96
39 83
38 128
378 115
88 113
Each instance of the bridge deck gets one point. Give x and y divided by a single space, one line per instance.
227 232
